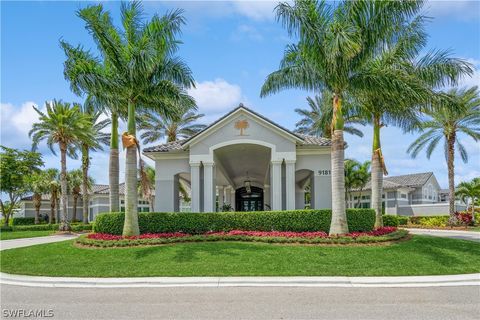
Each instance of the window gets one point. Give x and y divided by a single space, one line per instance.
122 201
365 197
355 198
365 205
122 209
403 195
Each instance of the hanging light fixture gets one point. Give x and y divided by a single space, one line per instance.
248 185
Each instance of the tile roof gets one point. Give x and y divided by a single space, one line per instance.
96 189
408 180
178 145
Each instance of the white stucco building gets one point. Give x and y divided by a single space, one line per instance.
245 160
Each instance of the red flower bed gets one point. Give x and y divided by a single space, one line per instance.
279 234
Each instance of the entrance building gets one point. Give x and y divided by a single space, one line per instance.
246 161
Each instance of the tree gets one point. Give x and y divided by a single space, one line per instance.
143 73
15 167
147 187
38 185
356 176
65 126
52 180
95 144
74 180
469 192
456 112
317 120
155 127
399 105
335 43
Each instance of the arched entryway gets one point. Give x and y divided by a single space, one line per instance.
250 199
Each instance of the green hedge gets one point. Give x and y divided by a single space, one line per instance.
44 227
402 220
430 221
21 221
390 221
198 223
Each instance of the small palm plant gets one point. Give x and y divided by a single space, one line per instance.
455 113
317 120
63 125
51 177
154 127
469 193
357 175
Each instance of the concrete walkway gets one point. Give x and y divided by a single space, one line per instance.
453 234
26 242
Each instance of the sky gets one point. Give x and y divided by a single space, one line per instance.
231 47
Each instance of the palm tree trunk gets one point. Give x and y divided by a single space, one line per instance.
359 198
377 174
37 201
53 198
113 169
74 214
339 217
64 225
85 165
130 227
57 209
451 177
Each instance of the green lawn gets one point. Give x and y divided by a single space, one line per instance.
422 255
7 235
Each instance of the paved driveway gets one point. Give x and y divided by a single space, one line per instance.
248 303
25 242
454 234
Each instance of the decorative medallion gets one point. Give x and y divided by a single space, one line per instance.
241 125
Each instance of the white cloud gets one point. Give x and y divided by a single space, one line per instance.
458 9
474 80
257 10
216 96
246 31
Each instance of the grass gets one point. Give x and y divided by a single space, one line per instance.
422 255
7 235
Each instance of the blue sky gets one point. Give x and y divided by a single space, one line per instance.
230 47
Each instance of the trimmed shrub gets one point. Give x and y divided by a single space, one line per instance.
4 228
21 221
390 221
402 220
199 223
43 227
430 221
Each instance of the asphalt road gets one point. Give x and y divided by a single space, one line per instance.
246 303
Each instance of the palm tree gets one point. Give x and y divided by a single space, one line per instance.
143 74
38 185
335 42
86 147
356 176
74 180
469 192
147 186
317 120
155 127
457 112
66 126
51 177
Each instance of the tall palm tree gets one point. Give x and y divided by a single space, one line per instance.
469 192
65 126
99 139
399 105
457 112
51 177
316 120
143 74
74 180
38 185
335 42
155 127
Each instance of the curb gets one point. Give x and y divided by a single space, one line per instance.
147 282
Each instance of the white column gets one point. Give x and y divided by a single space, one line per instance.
195 184
232 198
221 197
290 184
208 187
276 184
266 197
